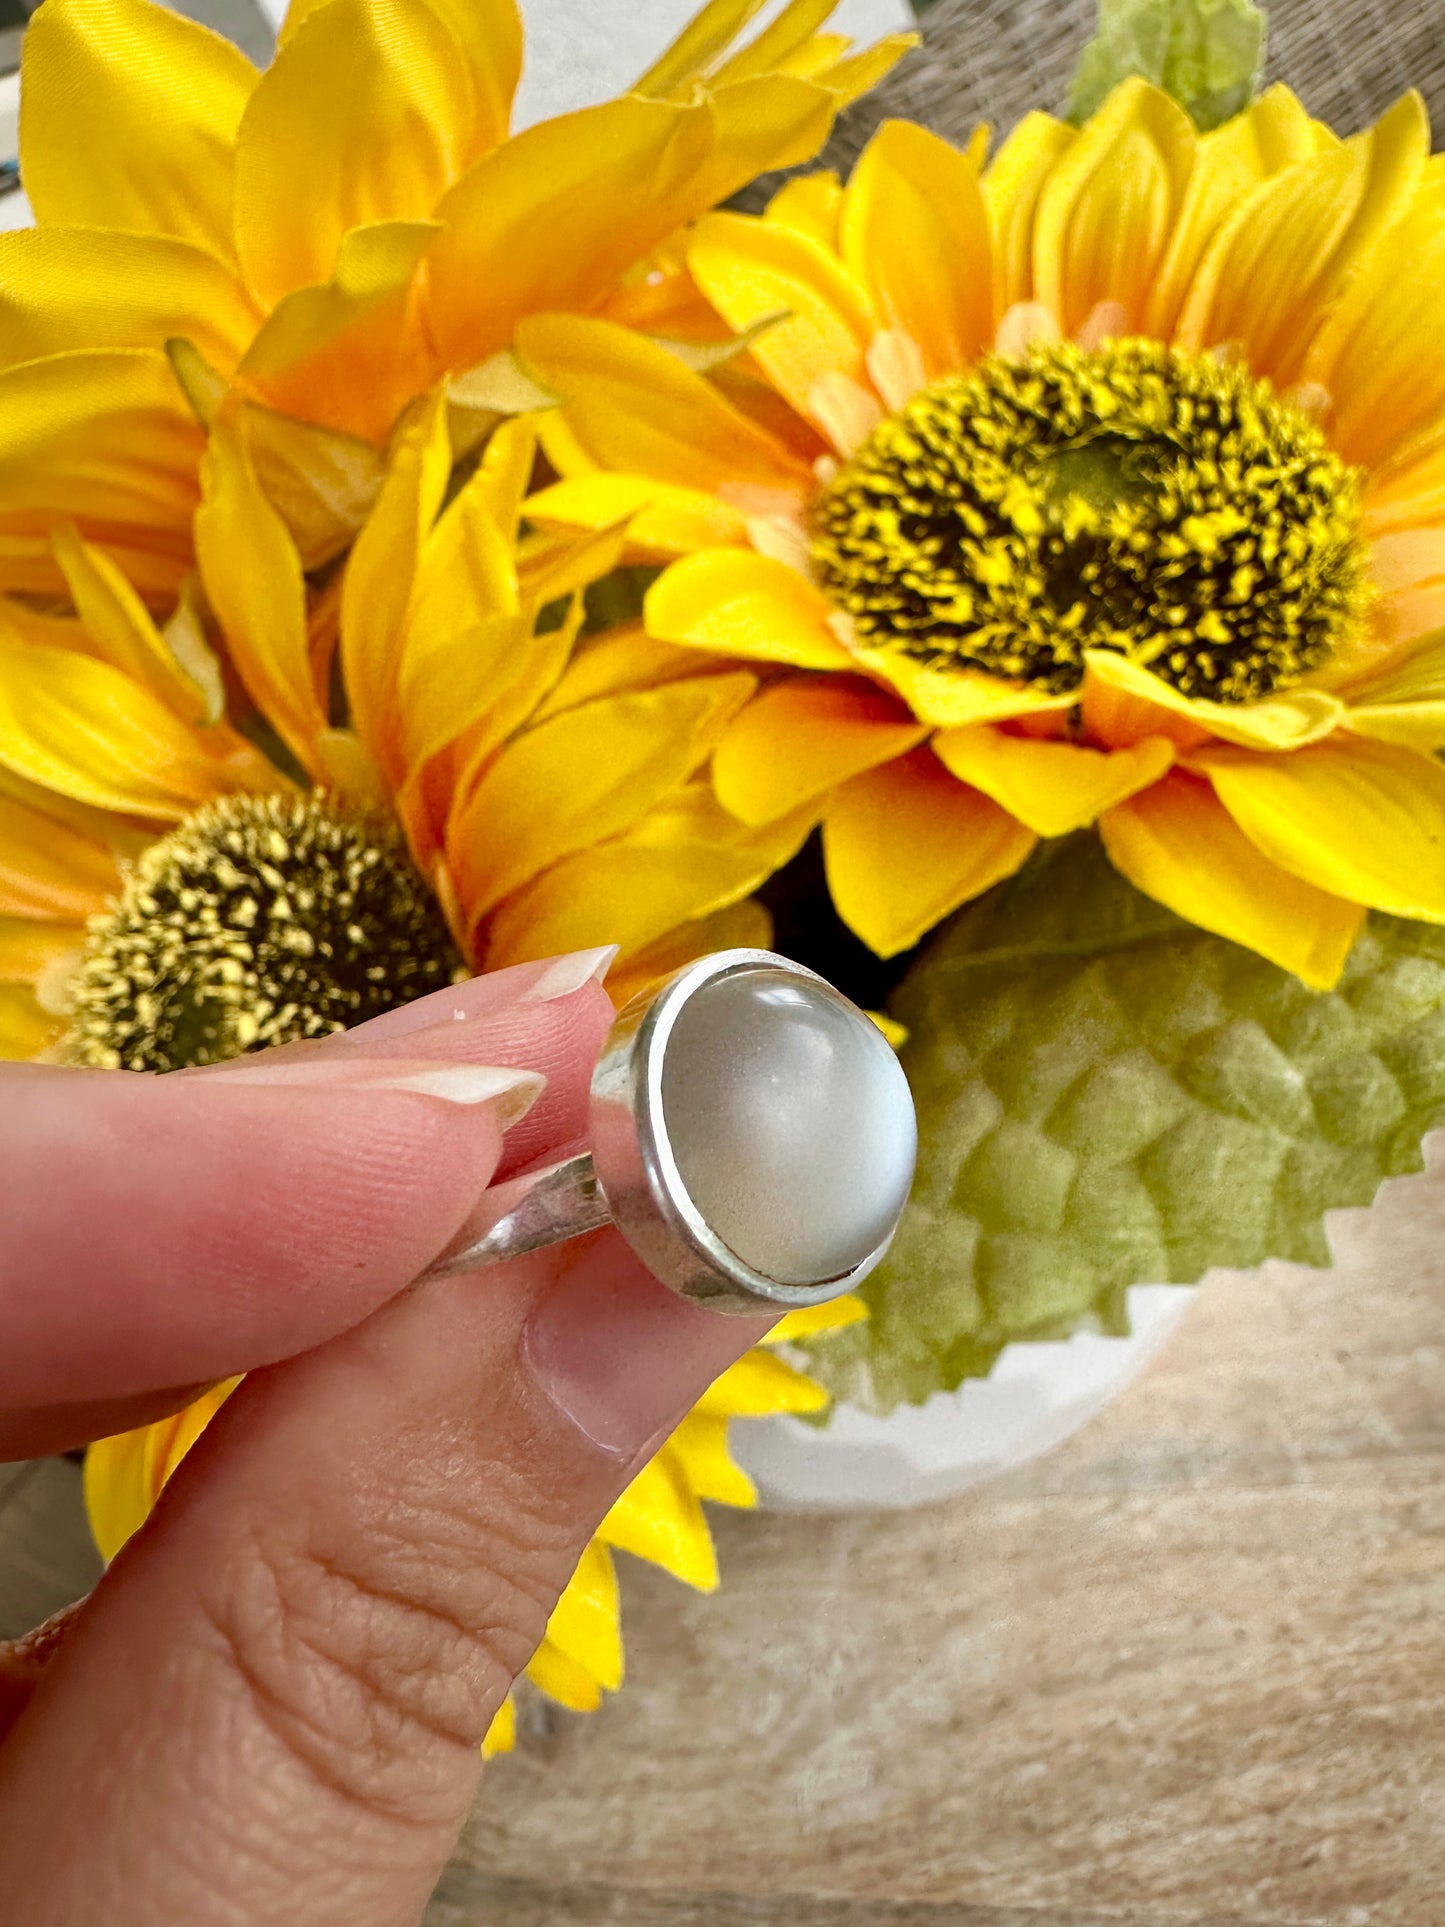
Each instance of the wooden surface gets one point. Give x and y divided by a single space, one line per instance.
1190 1669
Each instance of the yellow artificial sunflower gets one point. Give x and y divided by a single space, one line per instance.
330 238
1102 485
547 790
658 1518
500 789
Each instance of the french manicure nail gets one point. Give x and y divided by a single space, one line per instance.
621 1356
566 975
512 1093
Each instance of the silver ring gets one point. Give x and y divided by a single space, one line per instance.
753 1139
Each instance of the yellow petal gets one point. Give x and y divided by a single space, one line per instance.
364 116
25 1029
253 581
1286 721
915 232
798 21
1106 212
321 482
741 926
750 269
761 123
29 947
632 405
351 352
489 32
622 658
1296 240
118 627
79 726
741 604
501 1735
1363 820
709 32
585 1622
683 862
1274 132
1401 698
504 473
104 439
1377 352
1053 788
550 219
563 1680
68 288
907 844
814 1320
809 204
949 698
658 1519
758 1385
1012 184
130 117
1176 843
700 1446
48 867
382 572
668 520
801 738
588 774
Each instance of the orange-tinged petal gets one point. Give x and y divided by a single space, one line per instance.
633 405
1295 241
1177 844
751 269
1123 701
1274 132
683 862
915 232
130 121
801 738
118 626
1012 184
381 574
48 867
1106 212
364 116
104 439
587 774
617 659
351 352
1052 788
741 604
550 219
740 926
29 947
906 844
1378 351
79 726
673 521
66 288
253 581
1363 820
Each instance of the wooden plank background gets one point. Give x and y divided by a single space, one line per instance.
1189 1669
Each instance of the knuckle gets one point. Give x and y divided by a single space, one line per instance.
374 1654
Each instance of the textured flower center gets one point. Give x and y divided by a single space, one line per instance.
1131 497
258 921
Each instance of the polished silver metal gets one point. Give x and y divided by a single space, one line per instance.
631 1178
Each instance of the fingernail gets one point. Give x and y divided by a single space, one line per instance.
512 1093
622 1357
565 975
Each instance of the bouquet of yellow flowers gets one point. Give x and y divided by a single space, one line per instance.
1011 581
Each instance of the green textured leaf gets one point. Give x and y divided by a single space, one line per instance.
1207 54
1108 1096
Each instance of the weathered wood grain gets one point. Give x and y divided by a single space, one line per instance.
1190 1669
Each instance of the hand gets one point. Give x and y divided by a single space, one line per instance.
270 1709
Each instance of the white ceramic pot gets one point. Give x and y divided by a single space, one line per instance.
1035 1397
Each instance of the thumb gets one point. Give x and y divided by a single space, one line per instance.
272 1707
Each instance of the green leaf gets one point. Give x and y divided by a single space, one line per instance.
1207 54
1108 1096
